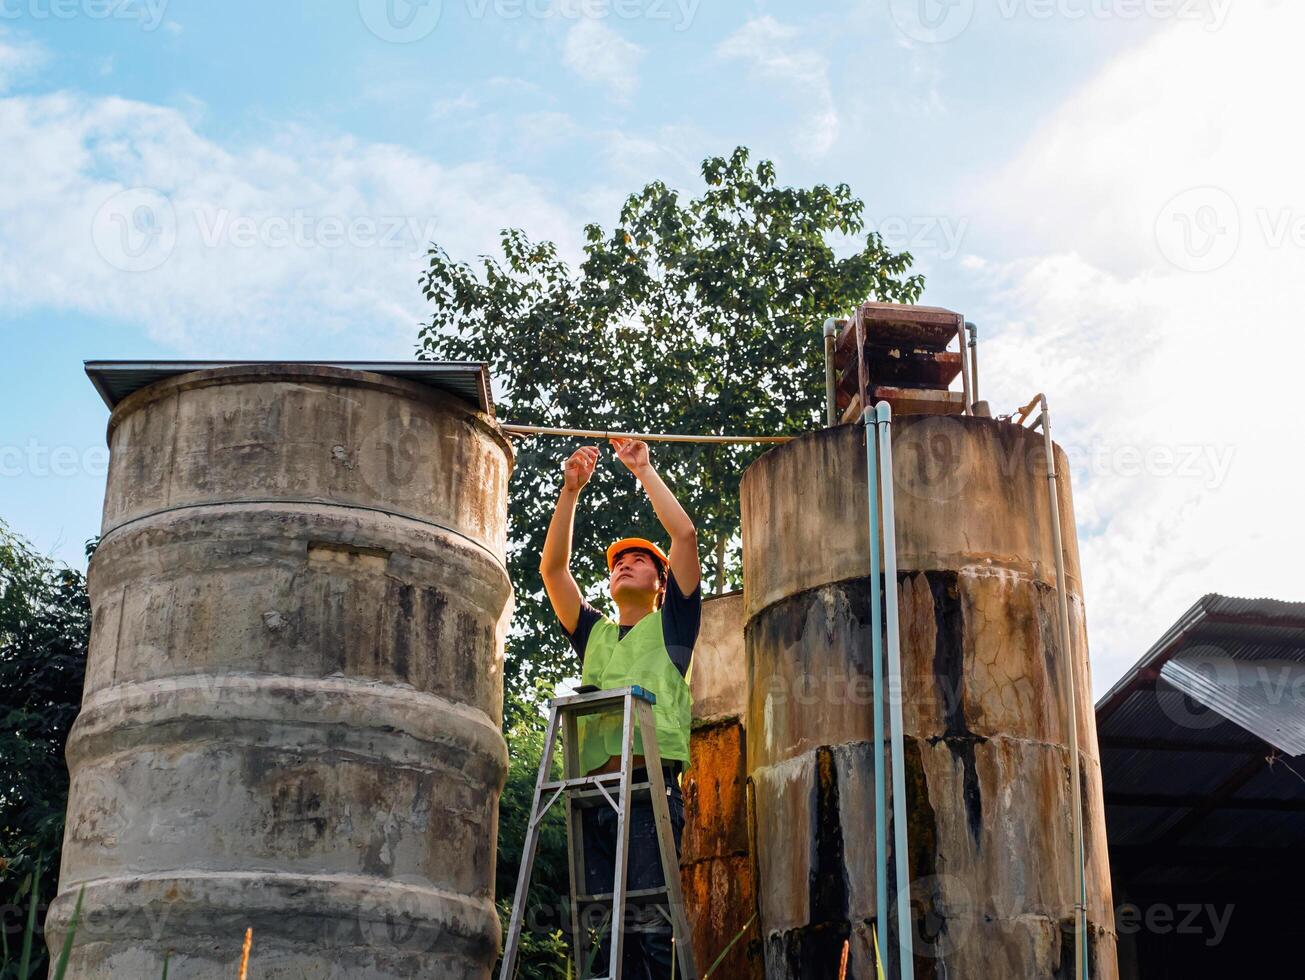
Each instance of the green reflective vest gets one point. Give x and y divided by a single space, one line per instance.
638 658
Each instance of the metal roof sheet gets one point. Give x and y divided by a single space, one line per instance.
1261 695
1197 739
469 380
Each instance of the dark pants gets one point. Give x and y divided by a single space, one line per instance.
646 954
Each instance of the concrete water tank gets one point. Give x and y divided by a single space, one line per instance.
986 760
716 862
294 692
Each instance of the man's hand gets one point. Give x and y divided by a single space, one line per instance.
633 453
579 468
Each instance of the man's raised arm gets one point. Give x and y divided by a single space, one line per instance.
555 561
684 536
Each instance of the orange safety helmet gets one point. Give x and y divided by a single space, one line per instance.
628 544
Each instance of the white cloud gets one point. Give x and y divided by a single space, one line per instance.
599 54
1136 351
18 59
772 50
236 247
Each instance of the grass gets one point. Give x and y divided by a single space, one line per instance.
25 971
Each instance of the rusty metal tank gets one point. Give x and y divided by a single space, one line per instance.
986 759
294 692
716 862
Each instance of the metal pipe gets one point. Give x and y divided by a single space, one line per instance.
1023 412
1069 674
974 362
877 674
831 399
905 937
541 430
965 365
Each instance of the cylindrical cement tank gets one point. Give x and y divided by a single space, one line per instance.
986 758
293 698
716 862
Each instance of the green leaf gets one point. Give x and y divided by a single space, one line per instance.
66 951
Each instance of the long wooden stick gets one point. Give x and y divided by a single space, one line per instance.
540 430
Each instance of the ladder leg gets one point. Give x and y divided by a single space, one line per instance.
513 942
666 844
622 843
575 841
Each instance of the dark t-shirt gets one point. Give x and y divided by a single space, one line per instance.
681 617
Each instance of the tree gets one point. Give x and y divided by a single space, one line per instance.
697 316
45 619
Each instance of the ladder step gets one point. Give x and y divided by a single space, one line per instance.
641 895
612 779
594 797
588 785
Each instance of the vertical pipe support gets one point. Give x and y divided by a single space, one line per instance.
1070 682
882 951
831 397
974 362
966 398
905 934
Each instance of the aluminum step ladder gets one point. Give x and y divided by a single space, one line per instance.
583 791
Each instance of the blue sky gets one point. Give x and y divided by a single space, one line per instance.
1108 187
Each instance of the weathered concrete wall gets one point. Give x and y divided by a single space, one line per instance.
293 699
716 859
987 763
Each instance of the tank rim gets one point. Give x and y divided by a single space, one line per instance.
319 373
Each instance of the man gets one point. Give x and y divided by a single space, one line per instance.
659 607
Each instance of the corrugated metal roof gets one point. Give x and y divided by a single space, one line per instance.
115 380
1261 695
1198 739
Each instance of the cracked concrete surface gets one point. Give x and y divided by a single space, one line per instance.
294 691
987 765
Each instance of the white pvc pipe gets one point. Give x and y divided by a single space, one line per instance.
831 395
905 930
884 951
541 430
